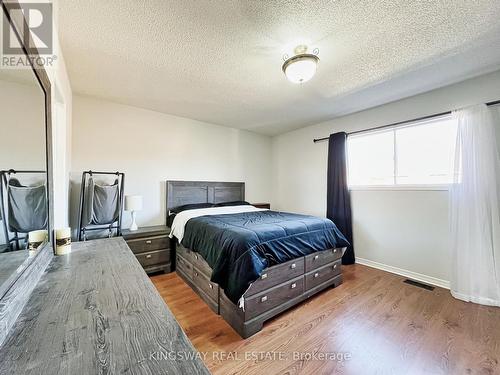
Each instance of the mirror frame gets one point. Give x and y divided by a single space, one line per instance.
44 81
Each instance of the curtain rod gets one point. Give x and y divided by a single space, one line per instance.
401 122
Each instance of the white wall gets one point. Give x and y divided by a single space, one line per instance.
152 147
405 230
22 129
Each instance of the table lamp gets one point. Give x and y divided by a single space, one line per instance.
133 203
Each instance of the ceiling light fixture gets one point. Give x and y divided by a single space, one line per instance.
302 66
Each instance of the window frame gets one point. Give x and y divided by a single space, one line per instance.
395 186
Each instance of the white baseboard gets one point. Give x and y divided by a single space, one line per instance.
402 272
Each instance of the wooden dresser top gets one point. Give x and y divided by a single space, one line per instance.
156 230
96 311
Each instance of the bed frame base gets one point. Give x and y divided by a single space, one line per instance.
214 305
279 288
231 313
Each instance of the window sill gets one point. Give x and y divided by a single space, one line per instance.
401 188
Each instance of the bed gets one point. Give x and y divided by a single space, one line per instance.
249 264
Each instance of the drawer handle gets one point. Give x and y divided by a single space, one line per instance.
334 266
316 257
316 274
148 256
334 250
196 273
294 286
264 276
293 266
149 242
263 299
196 257
210 286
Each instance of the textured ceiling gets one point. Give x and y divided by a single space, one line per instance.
220 61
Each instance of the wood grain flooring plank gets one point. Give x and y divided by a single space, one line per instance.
386 326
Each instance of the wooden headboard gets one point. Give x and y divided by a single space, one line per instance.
189 192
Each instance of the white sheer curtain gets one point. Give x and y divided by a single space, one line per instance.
474 208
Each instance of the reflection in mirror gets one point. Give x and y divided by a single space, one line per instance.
23 193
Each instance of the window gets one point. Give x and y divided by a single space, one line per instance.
418 154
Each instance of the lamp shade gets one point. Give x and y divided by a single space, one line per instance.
133 202
300 68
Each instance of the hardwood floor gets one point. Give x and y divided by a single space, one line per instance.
372 324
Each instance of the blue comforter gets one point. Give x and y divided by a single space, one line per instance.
240 246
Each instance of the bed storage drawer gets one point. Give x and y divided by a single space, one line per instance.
194 258
184 267
321 258
323 274
277 275
201 264
153 258
142 245
273 297
183 252
203 283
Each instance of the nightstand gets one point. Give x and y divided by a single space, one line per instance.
262 205
151 246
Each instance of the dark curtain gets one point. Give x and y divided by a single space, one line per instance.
338 199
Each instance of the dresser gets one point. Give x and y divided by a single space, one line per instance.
152 247
94 311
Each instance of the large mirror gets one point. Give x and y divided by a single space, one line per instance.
23 176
